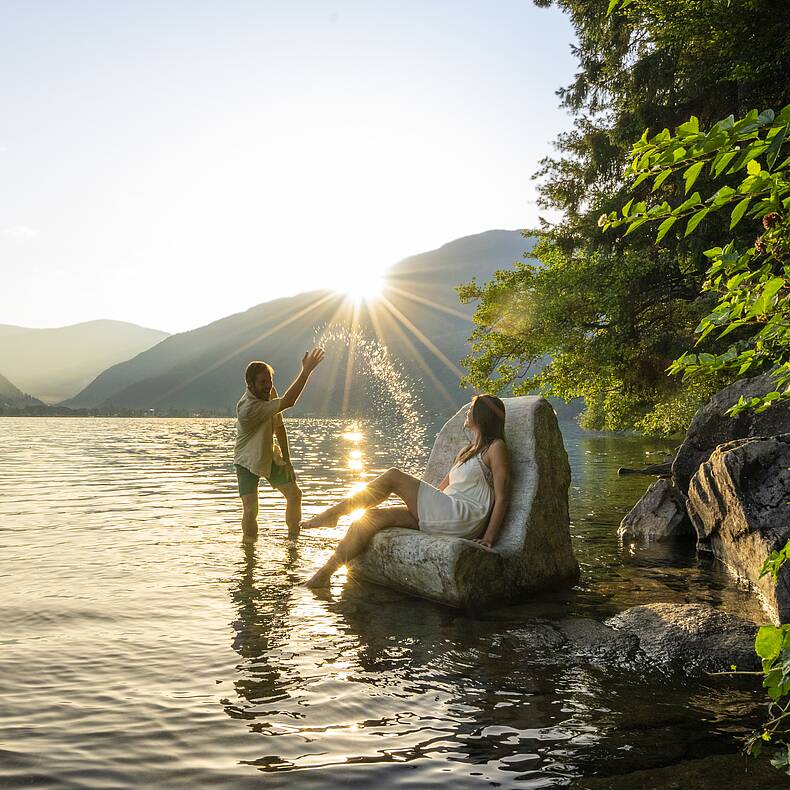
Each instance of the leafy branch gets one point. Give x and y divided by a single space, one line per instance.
753 286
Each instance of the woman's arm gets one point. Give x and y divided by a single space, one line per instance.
499 463
310 361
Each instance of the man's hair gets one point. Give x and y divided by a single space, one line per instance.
254 368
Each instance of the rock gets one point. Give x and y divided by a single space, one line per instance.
712 427
594 643
659 515
656 470
534 549
739 504
712 772
689 638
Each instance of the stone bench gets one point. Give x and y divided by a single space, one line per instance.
534 548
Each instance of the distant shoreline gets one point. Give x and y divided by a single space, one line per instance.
63 411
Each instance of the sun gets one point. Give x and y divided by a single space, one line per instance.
361 286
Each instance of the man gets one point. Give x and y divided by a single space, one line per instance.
259 420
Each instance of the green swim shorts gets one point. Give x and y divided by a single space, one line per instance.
278 476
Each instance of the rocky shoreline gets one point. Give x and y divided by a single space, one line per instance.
729 490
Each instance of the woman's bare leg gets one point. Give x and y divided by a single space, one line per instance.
393 481
358 536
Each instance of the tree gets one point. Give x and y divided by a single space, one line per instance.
611 311
752 285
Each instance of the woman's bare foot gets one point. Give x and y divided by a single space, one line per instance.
320 579
326 519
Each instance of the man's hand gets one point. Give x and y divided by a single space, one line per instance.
312 359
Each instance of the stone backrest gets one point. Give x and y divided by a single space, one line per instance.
534 551
532 436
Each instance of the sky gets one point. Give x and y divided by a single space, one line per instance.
169 163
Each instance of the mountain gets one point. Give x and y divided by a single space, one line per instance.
57 363
418 319
11 397
6 330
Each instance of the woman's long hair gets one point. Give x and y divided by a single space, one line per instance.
488 413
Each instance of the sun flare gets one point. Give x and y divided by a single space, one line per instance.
361 286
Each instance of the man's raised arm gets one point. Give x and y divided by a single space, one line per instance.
310 361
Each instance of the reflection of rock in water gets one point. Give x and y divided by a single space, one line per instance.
390 393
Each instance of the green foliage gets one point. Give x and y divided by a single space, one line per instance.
609 327
751 180
772 645
748 182
602 316
775 561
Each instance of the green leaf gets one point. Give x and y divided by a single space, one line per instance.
690 127
722 160
752 152
692 173
627 207
738 212
664 227
777 139
753 168
694 200
661 178
768 642
696 219
730 328
635 224
772 287
723 196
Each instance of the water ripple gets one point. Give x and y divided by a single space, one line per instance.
143 644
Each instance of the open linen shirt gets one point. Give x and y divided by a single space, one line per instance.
256 420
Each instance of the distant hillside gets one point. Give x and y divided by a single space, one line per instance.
6 330
55 364
419 320
11 397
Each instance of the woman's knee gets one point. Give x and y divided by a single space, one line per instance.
373 521
363 527
392 475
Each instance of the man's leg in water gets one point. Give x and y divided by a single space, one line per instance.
248 491
249 520
293 507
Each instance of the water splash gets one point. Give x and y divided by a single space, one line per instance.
393 394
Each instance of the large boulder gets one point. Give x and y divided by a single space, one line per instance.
660 639
689 638
739 504
533 552
711 425
659 515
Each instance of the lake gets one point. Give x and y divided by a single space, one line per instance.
142 643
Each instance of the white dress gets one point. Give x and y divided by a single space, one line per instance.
463 508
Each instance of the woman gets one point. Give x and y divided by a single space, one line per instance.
472 499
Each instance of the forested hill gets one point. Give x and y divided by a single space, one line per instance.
420 320
11 397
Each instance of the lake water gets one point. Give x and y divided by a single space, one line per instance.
142 643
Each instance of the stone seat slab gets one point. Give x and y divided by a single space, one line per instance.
534 550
